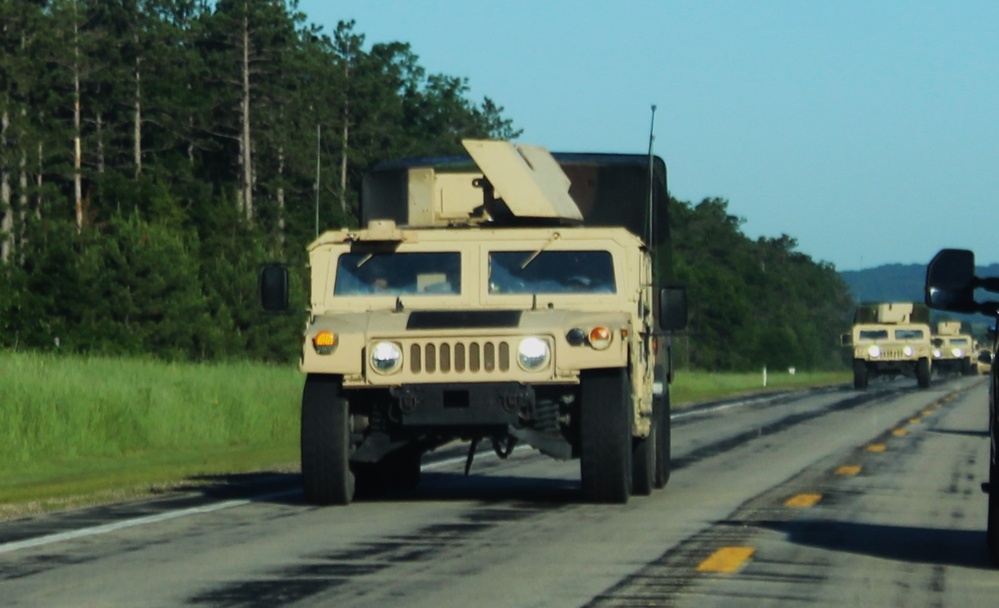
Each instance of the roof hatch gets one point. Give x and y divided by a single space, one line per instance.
527 178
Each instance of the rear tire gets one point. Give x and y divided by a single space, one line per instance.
859 375
325 442
398 471
923 373
643 463
605 436
661 414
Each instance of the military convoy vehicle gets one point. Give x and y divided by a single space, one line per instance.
951 285
510 296
952 350
983 364
890 339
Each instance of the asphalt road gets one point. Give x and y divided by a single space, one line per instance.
827 498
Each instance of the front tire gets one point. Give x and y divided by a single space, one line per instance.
923 373
325 442
859 375
968 367
605 436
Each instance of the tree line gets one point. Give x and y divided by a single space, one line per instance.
754 303
153 152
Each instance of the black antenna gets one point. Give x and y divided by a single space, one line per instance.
319 139
649 223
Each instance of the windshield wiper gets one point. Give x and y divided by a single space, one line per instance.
554 237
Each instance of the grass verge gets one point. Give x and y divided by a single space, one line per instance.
89 427
690 387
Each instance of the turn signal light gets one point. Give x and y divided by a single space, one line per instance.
324 342
600 338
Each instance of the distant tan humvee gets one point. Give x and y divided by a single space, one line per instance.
953 350
889 339
491 298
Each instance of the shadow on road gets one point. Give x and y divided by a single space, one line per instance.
251 486
284 488
937 546
961 432
437 486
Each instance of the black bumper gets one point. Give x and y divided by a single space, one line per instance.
478 404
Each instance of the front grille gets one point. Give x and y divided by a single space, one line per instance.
894 354
459 356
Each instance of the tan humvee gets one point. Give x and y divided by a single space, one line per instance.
983 363
952 350
494 314
889 339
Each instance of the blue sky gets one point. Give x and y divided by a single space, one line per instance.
868 131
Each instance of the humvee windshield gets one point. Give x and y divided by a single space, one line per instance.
908 334
959 341
551 272
361 273
874 334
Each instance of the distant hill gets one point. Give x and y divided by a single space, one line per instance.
889 283
895 282
904 283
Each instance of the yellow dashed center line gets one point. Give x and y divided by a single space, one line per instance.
899 432
803 500
876 447
726 559
915 420
927 412
848 470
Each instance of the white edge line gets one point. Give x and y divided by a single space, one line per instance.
138 521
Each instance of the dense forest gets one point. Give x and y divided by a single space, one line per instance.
754 303
154 152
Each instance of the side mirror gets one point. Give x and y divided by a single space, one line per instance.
846 340
673 308
950 281
274 287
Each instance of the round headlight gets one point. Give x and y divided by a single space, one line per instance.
533 354
937 353
874 351
907 351
958 353
386 357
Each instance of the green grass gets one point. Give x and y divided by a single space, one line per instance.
76 426
690 387
76 430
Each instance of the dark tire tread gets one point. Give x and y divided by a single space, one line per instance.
605 436
325 442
